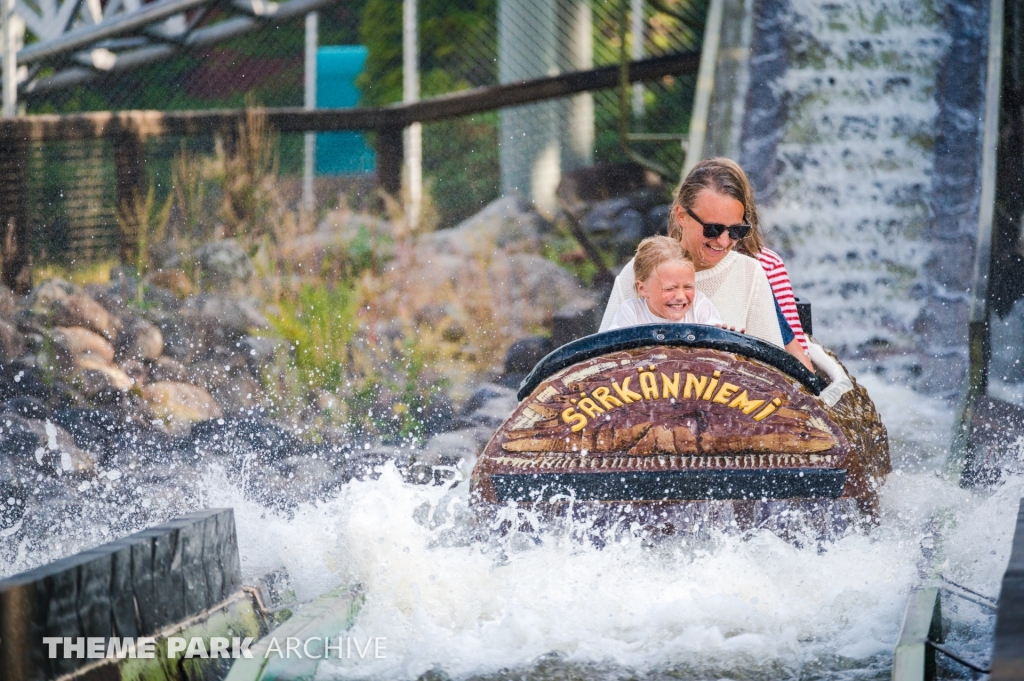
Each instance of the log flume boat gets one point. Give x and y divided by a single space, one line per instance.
679 424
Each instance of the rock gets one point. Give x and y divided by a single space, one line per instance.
215 373
222 264
208 326
579 318
139 340
94 376
525 353
8 303
656 221
135 370
166 369
252 440
455 450
488 407
603 181
179 405
617 225
239 394
11 344
366 241
506 223
261 352
43 446
75 343
175 281
18 379
97 430
81 310
29 407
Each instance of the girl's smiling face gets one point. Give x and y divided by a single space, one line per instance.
669 290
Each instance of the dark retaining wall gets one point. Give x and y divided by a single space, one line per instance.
128 588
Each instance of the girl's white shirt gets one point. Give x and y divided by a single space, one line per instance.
737 286
635 312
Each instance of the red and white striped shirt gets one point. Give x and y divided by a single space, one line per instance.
773 266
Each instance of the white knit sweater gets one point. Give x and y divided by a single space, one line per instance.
737 286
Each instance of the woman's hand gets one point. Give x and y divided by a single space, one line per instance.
727 327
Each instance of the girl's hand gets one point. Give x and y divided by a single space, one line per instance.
731 328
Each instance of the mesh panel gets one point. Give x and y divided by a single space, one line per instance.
463 44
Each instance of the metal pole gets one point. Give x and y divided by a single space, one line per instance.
705 86
10 67
309 138
636 30
411 93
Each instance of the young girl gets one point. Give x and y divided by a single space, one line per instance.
665 287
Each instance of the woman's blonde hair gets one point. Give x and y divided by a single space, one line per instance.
722 176
655 250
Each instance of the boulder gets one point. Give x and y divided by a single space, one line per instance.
578 318
525 353
164 368
75 343
226 320
262 351
244 439
239 394
82 310
29 407
42 446
18 379
179 405
139 340
93 376
442 454
223 264
175 281
488 407
507 224
8 303
11 343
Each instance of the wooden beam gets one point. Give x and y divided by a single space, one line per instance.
15 235
49 127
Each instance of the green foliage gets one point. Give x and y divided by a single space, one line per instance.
319 323
458 47
460 161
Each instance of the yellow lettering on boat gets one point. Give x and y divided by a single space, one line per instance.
712 385
694 387
725 392
670 385
578 421
603 395
767 411
747 406
627 395
649 385
588 405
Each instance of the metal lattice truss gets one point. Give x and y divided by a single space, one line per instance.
77 41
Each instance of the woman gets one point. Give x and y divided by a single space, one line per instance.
714 212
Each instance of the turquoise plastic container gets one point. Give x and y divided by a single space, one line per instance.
341 153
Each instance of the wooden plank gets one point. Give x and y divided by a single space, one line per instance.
48 127
914 659
15 231
134 586
1008 648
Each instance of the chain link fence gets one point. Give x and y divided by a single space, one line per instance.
462 45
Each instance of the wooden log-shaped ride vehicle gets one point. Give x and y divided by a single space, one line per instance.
661 416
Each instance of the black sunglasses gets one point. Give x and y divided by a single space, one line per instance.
713 230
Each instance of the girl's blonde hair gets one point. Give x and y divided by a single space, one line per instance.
722 176
655 250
